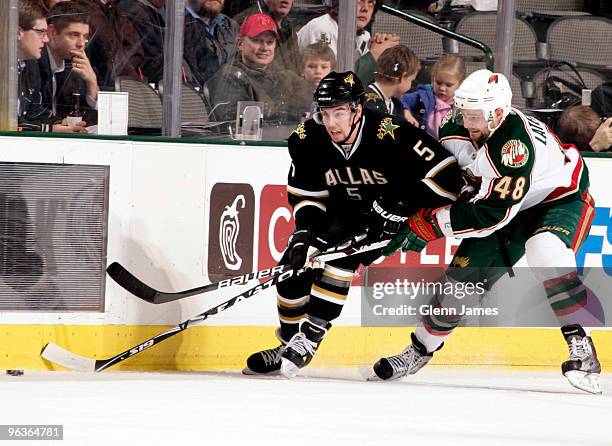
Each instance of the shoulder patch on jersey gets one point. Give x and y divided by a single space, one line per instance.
514 153
300 131
387 127
348 80
371 96
447 117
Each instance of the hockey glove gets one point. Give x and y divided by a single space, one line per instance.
302 245
422 227
384 224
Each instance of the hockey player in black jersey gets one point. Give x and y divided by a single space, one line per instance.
352 170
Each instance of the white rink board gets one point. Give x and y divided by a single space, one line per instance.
160 198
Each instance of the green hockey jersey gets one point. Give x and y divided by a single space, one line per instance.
521 165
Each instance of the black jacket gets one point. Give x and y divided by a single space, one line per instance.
33 113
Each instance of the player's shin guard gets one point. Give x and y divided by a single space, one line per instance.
411 360
303 345
582 369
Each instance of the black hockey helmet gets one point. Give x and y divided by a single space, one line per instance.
339 88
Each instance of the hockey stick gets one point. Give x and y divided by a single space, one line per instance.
138 288
59 355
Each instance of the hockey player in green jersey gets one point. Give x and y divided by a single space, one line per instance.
531 198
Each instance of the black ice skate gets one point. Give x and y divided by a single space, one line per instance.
266 362
408 362
303 345
582 369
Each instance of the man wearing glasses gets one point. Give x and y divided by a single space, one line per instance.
352 171
31 39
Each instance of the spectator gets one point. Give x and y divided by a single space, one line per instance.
369 48
325 28
114 49
254 77
210 39
64 66
395 71
287 52
147 17
581 126
32 113
48 4
428 104
318 60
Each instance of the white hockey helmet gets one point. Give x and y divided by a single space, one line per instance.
486 91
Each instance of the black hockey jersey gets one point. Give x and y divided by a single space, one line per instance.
390 159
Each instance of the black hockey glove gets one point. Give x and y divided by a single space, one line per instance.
384 223
302 245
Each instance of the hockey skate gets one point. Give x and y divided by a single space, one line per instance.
582 369
266 362
408 362
303 346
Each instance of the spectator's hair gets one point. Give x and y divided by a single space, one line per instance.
29 13
332 10
318 50
394 62
65 14
449 62
577 125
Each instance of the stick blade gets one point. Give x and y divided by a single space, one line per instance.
59 355
131 283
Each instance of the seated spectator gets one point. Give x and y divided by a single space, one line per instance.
32 113
581 126
147 17
318 60
254 77
325 27
64 66
114 49
428 104
395 71
48 4
287 51
210 39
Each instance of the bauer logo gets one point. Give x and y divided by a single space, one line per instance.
230 230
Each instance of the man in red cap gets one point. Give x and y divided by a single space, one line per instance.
254 77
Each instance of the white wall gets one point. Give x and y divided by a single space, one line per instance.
158 223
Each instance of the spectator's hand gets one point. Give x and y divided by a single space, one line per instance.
602 139
63 127
379 42
82 67
411 119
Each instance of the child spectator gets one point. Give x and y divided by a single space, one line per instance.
396 68
318 60
426 106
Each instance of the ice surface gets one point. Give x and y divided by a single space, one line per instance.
439 406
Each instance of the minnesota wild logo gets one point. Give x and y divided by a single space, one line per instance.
300 131
387 128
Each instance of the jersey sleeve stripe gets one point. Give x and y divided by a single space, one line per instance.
304 203
486 149
438 190
489 229
307 193
440 166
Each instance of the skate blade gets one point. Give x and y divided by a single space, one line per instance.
585 382
249 372
374 378
288 369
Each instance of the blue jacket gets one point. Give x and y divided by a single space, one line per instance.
421 103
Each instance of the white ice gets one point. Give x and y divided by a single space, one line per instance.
439 406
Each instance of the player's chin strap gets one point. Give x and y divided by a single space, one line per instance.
353 127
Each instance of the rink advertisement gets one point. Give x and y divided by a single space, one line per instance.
182 214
